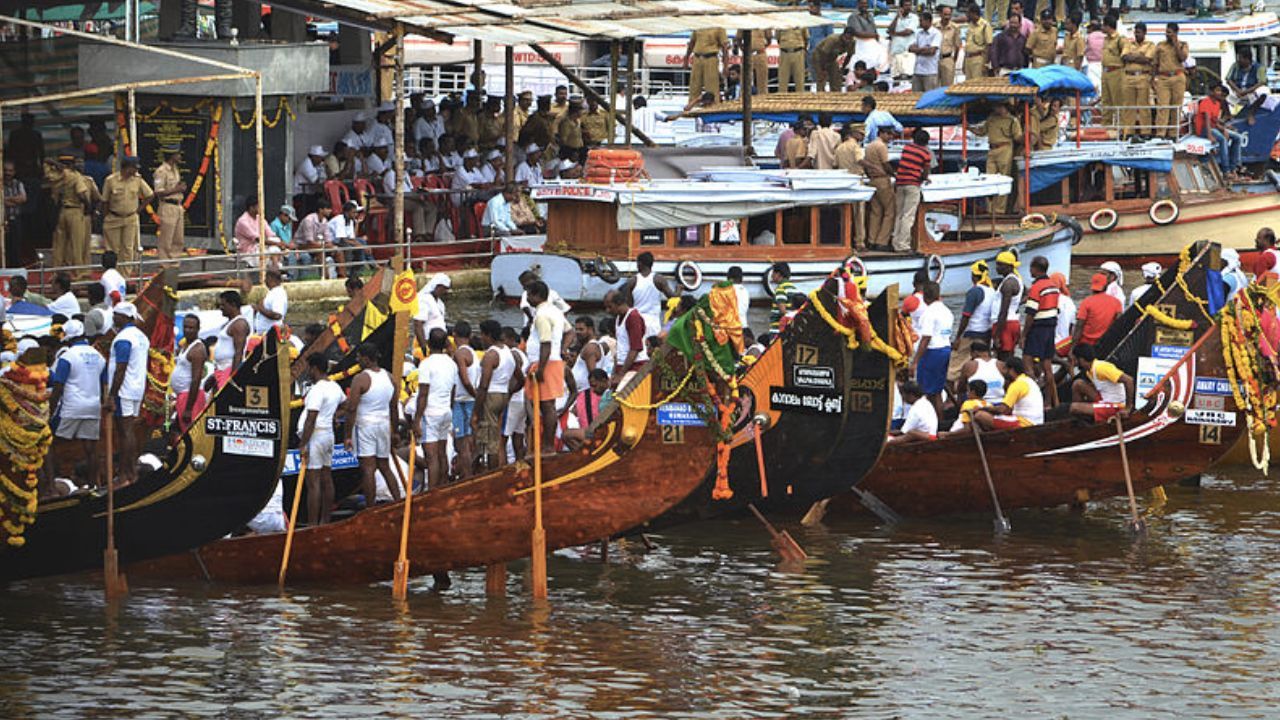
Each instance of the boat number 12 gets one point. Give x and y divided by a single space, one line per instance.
806 355
673 434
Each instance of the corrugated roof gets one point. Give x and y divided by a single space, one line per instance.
991 86
841 104
537 21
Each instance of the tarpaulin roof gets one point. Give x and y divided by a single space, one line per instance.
537 21
843 106
1053 80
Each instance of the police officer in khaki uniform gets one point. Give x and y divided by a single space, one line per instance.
881 210
123 194
1042 45
1073 43
758 53
792 44
1139 56
594 124
169 187
950 47
74 194
826 60
569 134
490 125
465 121
1003 131
1112 69
1171 81
703 58
976 41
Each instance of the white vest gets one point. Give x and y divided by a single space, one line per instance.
135 375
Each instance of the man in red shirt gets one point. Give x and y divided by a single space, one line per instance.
1266 266
1041 310
1095 313
1209 124
629 329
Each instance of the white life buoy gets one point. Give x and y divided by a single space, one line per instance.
1154 212
935 268
689 275
1034 221
1104 220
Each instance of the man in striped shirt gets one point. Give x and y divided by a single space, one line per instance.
913 170
1042 323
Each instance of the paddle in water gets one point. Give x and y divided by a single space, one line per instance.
1001 522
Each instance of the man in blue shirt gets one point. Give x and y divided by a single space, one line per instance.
877 119
282 226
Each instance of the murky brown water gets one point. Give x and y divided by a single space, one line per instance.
1069 616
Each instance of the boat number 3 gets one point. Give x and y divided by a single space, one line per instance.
255 396
1210 434
673 434
860 401
806 355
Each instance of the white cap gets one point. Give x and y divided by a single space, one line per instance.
438 280
493 155
26 344
317 150
8 357
126 309
361 116
428 103
1113 267
386 107
72 329
1151 270
471 154
532 148
502 142
567 164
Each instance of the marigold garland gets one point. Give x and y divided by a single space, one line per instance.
875 342
24 444
281 109
1251 376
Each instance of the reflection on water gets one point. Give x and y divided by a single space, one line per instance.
1067 617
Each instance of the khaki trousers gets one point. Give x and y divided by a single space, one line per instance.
71 238
947 71
705 76
760 73
1112 93
859 225
830 77
880 214
489 426
975 67
791 71
1137 99
1169 93
120 234
908 199
1000 161
170 233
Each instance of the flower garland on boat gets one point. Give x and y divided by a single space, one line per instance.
1249 353
24 442
861 327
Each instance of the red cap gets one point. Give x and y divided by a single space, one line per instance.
1099 281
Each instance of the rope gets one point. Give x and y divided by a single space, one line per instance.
669 398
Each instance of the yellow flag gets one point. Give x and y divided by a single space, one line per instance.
404 293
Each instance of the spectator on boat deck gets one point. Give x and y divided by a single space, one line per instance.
1022 406
373 411
1042 42
127 378
1266 266
913 170
1041 324
1248 81
901 30
821 153
322 403
797 152
933 351
1150 271
1045 123
1073 42
921 422
1115 279
647 290
877 121
269 312
875 164
926 47
780 147
827 66
76 385
1103 390
64 300
1008 50
545 338
1003 131
780 278
1210 123
629 329
741 292
977 39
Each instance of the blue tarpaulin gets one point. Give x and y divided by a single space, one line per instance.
1046 175
1054 80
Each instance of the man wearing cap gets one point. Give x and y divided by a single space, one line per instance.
529 173
127 375
342 232
429 123
1150 271
569 134
1042 45
977 39
169 189
311 171
380 129
465 121
1139 56
537 129
1002 131
124 194
595 124
1095 313
74 195
376 162
431 312
282 226
76 386
467 180
702 56
1171 82
359 136
1006 324
489 124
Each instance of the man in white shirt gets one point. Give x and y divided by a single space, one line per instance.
921 422
545 338
317 439
112 281
429 158
342 231
433 415
269 312
359 136
429 124
127 373
64 301
497 213
381 127
933 353
431 311
529 173
1150 271
449 158
902 31
311 171
927 45
422 213
77 383
493 169
466 179
376 162
740 290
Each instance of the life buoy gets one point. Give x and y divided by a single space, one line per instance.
689 275
1153 212
606 270
1034 221
932 263
1077 232
1104 220
857 268
766 282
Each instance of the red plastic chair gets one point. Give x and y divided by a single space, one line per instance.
337 193
477 215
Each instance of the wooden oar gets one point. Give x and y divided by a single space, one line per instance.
786 545
1135 523
400 586
538 539
114 582
764 481
1001 522
877 506
817 511
293 518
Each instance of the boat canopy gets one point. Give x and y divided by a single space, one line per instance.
843 106
1049 167
1050 81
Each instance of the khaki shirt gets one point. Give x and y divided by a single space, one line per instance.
831 48
950 40
1043 44
1073 49
1003 131
1112 51
490 129
978 39
1146 48
797 150
559 109
822 148
1045 130
464 122
1167 60
537 130
849 156
595 127
166 178
123 196
759 39
793 38
570 133
709 41
875 161
71 188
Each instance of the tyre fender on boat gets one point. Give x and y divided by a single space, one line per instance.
1077 232
766 282
689 275
603 268
935 268
1104 220
1159 216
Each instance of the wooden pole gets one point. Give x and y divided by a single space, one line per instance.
1026 157
121 87
400 586
538 552
964 138
397 94
1079 129
477 62
495 580
262 201
611 123
756 431
4 262
509 114
744 87
586 89
1001 523
293 518
631 86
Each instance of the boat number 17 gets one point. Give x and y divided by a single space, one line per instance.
806 355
